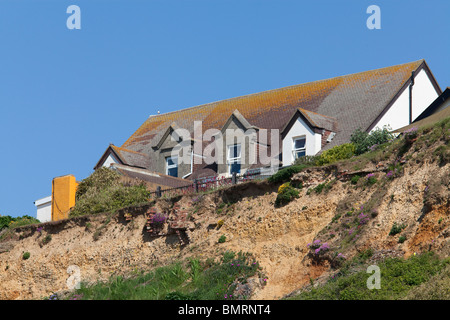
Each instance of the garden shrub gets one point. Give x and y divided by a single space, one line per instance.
365 142
340 152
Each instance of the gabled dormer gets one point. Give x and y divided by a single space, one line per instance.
123 156
306 134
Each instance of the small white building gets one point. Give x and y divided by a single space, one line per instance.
44 209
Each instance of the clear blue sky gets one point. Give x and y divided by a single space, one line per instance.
66 94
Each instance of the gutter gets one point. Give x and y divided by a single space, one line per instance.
192 166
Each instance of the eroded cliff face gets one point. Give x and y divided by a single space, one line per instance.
278 237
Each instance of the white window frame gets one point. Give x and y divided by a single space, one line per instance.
296 150
172 166
233 160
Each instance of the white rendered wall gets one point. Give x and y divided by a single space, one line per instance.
298 129
111 159
423 94
44 209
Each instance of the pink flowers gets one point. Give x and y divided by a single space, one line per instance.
340 256
318 247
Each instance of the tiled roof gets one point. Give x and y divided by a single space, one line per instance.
354 100
152 179
132 158
319 120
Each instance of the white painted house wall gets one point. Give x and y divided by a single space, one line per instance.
298 129
423 94
44 209
110 160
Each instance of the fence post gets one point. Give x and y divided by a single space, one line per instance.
158 191
196 185
233 178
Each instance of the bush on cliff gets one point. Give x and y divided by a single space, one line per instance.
105 191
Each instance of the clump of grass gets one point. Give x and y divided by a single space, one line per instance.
354 180
285 174
192 279
396 229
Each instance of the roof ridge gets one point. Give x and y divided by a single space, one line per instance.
286 87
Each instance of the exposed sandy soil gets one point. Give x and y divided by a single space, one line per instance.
277 237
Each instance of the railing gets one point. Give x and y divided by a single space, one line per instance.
213 183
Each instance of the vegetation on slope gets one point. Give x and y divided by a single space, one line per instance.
193 279
106 191
11 222
399 278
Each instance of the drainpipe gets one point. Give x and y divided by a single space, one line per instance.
192 165
410 97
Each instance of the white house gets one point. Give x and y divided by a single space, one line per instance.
387 100
44 209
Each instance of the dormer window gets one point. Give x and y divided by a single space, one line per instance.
299 148
172 166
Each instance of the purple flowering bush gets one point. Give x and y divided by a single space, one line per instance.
410 134
159 219
318 247
370 179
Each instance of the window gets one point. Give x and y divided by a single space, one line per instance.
234 158
299 149
172 166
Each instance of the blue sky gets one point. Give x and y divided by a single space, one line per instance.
66 94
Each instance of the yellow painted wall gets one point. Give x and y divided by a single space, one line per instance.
63 196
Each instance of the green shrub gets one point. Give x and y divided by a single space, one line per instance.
341 152
365 142
396 229
285 174
401 239
26 255
47 239
286 195
355 179
104 191
398 278
307 160
222 239
319 187
370 179
10 222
